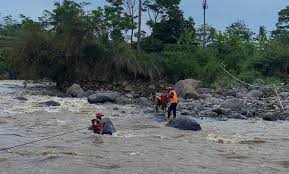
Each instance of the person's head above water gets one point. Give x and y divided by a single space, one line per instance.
98 115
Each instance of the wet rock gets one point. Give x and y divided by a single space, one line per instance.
185 123
187 88
83 95
204 90
108 126
74 90
255 94
269 116
103 97
21 98
124 100
234 104
49 103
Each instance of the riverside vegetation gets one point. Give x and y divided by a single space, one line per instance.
70 44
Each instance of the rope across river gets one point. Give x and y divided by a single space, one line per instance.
42 139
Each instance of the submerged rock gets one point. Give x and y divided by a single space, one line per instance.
21 98
49 103
185 123
103 97
74 90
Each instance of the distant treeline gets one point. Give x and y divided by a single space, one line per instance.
70 44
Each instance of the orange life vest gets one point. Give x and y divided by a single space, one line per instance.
174 99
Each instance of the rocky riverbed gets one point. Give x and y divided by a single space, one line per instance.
234 136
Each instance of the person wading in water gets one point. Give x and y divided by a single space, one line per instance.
173 102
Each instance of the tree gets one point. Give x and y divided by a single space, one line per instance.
157 8
283 21
131 9
139 25
172 24
240 28
262 38
282 27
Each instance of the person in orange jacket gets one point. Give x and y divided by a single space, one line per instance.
173 102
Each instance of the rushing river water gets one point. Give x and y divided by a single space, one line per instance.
140 146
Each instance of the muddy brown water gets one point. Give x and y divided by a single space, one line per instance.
140 146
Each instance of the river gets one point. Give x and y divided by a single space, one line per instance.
141 145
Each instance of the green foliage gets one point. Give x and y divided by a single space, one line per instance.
70 44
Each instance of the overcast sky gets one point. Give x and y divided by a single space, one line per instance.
220 14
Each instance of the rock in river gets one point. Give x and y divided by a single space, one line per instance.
49 103
103 97
21 98
74 90
269 116
185 123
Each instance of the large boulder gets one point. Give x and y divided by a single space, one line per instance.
103 97
108 126
74 90
234 104
255 94
187 88
185 123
